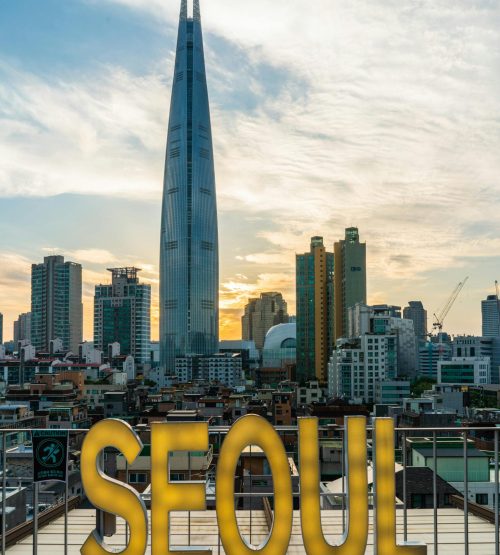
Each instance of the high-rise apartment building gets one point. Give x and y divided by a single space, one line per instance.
490 312
122 314
386 319
261 315
22 328
429 354
56 303
415 311
471 346
359 365
314 290
189 259
350 277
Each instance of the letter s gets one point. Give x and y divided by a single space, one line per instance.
112 495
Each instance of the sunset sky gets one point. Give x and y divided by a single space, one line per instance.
381 114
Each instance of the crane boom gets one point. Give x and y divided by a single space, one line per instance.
449 303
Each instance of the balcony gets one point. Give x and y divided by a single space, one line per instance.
449 523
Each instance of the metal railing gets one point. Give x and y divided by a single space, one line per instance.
330 500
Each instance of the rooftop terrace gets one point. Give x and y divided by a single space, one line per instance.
204 532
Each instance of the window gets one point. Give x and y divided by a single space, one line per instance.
482 498
137 478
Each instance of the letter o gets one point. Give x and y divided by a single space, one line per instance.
252 429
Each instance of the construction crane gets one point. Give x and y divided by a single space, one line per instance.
439 319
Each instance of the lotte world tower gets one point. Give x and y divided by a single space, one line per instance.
189 257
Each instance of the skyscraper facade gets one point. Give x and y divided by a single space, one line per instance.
189 263
56 303
22 328
261 314
415 311
490 314
350 277
314 293
122 313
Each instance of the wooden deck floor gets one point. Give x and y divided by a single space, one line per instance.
204 532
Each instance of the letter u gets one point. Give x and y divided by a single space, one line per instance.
355 540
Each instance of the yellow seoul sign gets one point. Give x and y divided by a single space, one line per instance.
118 498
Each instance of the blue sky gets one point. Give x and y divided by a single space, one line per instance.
383 114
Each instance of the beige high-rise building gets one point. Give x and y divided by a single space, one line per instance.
350 277
22 328
261 314
56 304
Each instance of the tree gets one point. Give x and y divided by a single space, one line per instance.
420 385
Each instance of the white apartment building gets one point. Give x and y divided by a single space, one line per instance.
357 366
225 368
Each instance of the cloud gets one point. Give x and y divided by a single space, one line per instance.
100 134
376 113
15 283
94 256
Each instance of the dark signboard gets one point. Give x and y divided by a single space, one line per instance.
50 455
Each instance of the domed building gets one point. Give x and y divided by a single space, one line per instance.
280 346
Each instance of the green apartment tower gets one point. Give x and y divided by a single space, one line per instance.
314 292
56 304
122 314
350 277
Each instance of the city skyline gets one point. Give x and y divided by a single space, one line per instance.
303 147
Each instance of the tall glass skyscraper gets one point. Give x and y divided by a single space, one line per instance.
189 261
490 313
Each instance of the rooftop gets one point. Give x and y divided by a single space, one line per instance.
204 532
450 452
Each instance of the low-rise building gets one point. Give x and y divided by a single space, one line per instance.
63 416
184 465
450 465
390 392
311 392
225 368
464 371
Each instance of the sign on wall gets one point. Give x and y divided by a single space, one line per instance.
50 455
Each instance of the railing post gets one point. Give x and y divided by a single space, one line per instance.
405 511
35 518
342 469
66 516
218 529
127 482
189 512
4 489
466 497
497 500
434 492
251 500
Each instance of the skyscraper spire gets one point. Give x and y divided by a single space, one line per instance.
196 10
184 10
189 252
